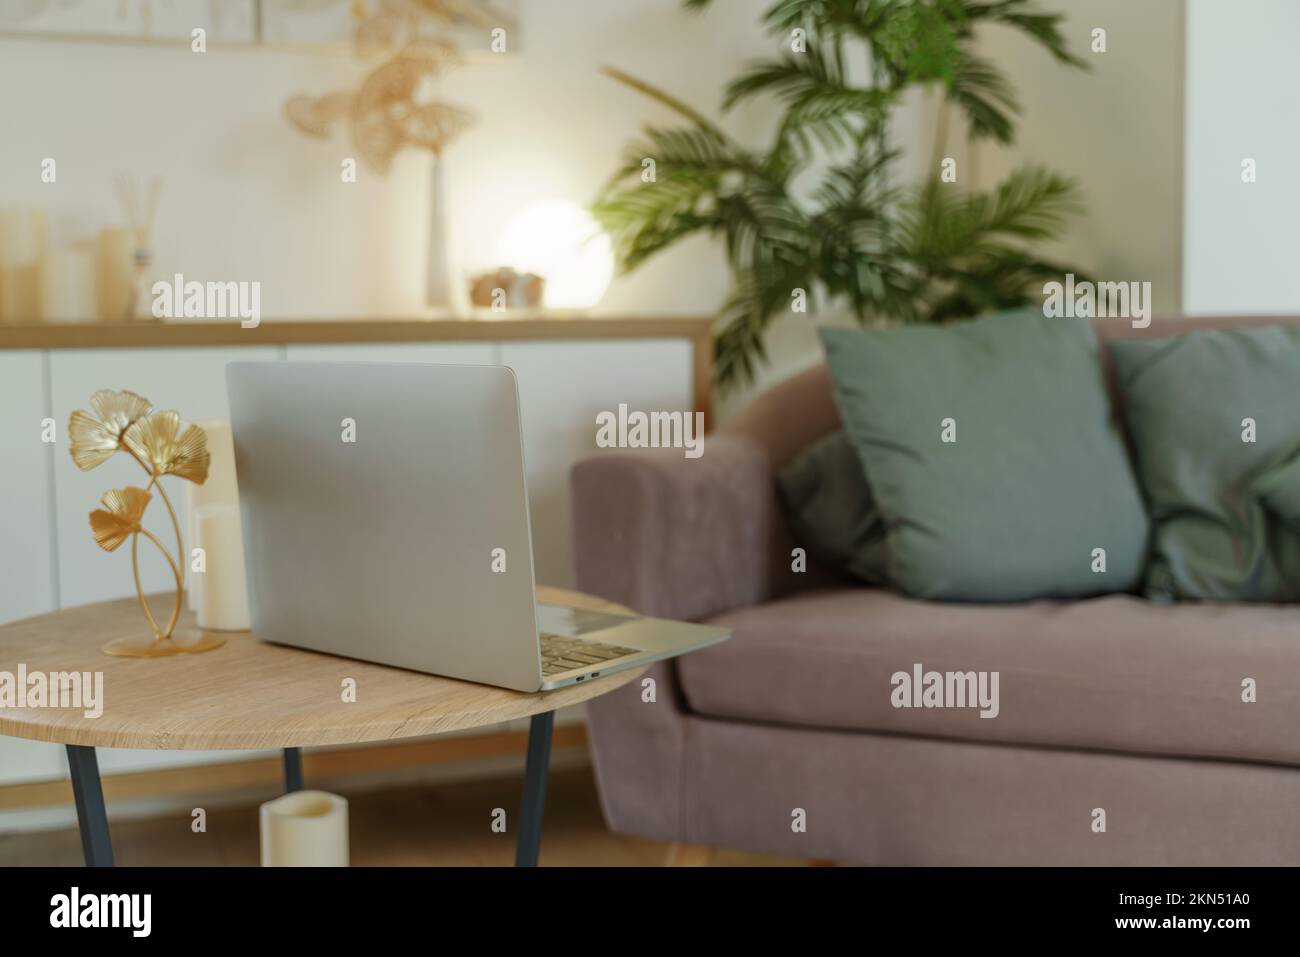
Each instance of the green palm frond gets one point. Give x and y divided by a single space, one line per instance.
820 107
939 223
764 229
754 304
790 77
1044 28
921 41
644 217
858 182
985 96
968 249
1004 280
858 19
1031 203
686 148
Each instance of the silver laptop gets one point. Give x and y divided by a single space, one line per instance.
385 518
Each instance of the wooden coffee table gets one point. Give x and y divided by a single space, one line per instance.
249 694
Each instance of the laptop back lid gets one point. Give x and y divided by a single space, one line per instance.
385 514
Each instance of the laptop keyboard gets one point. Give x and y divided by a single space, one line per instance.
563 653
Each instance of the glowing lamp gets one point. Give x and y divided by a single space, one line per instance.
560 242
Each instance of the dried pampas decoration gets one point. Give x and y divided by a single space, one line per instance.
384 114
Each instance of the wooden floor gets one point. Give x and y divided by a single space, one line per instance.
421 826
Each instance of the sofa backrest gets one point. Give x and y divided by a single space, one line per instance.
792 415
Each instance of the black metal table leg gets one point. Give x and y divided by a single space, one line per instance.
92 818
292 770
535 772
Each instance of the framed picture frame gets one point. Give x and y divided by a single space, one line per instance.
323 26
167 22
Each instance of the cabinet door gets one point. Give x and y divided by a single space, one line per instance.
26 530
192 381
563 386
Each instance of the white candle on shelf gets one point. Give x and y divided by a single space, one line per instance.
305 829
22 262
222 603
114 249
70 284
220 488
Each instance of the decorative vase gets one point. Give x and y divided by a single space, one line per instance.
440 289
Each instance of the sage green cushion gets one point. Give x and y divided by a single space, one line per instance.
1278 489
1037 479
829 509
1215 499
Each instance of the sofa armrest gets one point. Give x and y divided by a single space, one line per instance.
676 537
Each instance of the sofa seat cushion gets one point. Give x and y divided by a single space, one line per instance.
1116 673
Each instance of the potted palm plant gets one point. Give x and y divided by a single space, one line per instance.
930 251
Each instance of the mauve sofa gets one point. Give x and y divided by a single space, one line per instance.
1111 703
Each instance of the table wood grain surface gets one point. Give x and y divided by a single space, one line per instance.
251 694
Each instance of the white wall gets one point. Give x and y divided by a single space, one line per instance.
1241 103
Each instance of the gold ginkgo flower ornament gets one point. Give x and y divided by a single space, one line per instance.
122 421
96 437
120 517
154 441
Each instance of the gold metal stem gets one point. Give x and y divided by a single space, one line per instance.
139 591
179 572
176 612
180 551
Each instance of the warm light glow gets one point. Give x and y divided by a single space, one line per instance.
560 241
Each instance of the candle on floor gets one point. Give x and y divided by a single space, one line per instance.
221 488
305 829
222 600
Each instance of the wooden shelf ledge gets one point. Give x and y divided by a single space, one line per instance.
181 333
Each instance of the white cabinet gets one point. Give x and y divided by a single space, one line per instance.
27 581
562 388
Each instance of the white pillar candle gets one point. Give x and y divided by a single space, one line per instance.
222 603
70 284
221 488
305 829
114 249
22 261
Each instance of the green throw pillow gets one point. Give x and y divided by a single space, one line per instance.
1215 419
1278 488
991 453
828 505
